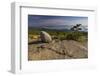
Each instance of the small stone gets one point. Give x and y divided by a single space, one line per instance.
43 46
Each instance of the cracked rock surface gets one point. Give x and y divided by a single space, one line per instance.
65 49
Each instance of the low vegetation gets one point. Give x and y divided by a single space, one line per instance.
61 35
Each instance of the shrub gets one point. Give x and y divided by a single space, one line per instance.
82 39
74 36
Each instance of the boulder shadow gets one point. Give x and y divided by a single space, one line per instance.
35 42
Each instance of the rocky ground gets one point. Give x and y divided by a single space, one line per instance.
57 49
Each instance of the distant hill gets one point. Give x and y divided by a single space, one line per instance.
58 27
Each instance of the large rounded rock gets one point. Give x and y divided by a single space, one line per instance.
45 37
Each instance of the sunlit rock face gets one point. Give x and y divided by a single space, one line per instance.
45 37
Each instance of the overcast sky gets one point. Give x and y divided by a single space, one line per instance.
44 20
